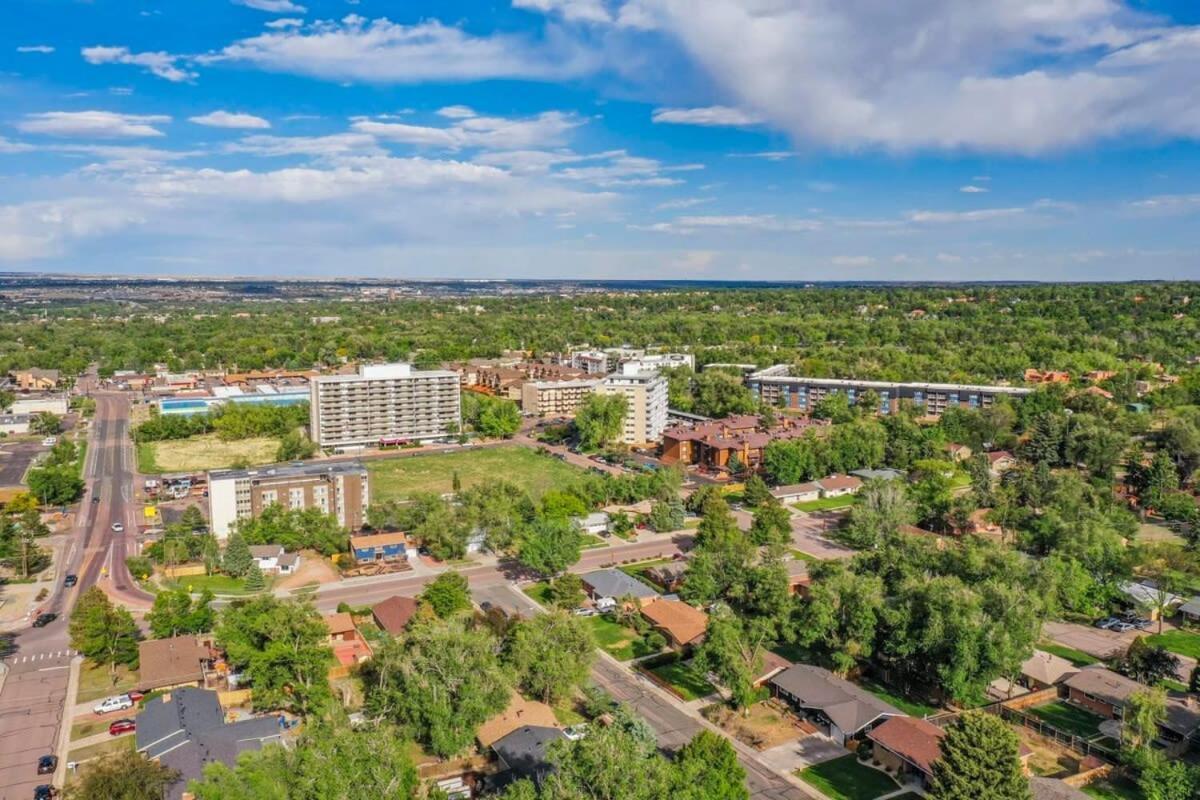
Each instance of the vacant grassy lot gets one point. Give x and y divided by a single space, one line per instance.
96 682
217 584
686 679
396 478
1069 718
198 453
1181 642
845 779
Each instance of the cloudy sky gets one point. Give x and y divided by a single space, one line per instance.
744 139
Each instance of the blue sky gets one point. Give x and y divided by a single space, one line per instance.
751 139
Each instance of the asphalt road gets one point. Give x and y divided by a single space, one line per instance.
37 660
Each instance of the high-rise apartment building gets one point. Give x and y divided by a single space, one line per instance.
646 394
337 488
384 404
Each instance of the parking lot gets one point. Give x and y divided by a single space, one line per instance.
15 458
1095 642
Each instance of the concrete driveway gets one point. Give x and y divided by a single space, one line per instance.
812 749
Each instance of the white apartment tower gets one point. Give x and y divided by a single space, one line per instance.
646 393
383 403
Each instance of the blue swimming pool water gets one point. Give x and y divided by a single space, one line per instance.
199 405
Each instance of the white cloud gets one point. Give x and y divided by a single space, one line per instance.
37 230
381 51
9 146
284 22
943 74
682 203
622 169
1169 204
456 112
973 189
272 6
494 133
852 261
164 65
96 124
44 49
230 119
769 223
570 10
979 215
338 144
769 155
712 116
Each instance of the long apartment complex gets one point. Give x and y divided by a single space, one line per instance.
555 398
646 393
341 489
384 403
777 387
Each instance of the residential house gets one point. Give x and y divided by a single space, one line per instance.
1046 376
797 492
1099 375
1105 693
1148 598
840 709
595 523
958 452
799 580
669 576
713 444
518 714
908 747
772 665
185 730
839 485
1191 611
522 755
36 380
350 647
272 559
881 474
392 615
1000 461
1043 670
379 547
606 586
177 661
682 624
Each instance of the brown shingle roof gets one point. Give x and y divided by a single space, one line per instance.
341 622
838 482
914 740
520 712
1110 687
394 613
677 619
170 662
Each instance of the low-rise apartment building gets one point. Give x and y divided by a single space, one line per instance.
384 404
555 398
775 386
341 489
646 394
593 362
714 443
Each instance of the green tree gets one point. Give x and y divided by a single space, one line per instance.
447 595
834 407
176 613
282 647
1144 711
295 446
439 684
666 516
618 762
499 419
883 508
707 768
772 524
102 632
45 423
1163 778
566 591
551 654
756 492
55 485
600 419
841 615
124 775
550 545
237 560
731 653
255 581
719 394
980 758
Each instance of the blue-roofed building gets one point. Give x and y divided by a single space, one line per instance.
379 547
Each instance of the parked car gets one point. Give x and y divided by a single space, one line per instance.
50 441
117 527
584 611
47 764
1122 627
44 619
1106 623
135 695
45 792
70 580
118 702
122 726
575 732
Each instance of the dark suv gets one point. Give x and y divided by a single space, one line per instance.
47 764
44 619
70 580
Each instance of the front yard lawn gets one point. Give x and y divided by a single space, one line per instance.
846 779
1181 642
911 707
826 503
618 641
217 584
96 682
1069 718
1076 657
685 679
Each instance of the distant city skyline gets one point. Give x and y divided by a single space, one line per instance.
772 140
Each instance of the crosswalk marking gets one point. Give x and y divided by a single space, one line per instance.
22 659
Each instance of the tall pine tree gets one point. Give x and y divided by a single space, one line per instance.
980 758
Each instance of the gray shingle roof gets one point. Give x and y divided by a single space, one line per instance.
524 750
849 706
616 584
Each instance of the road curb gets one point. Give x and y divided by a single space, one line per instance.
64 725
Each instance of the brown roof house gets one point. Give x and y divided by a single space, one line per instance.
519 713
841 710
908 747
839 485
393 614
1105 693
350 647
178 661
682 624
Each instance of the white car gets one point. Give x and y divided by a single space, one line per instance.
50 441
117 527
118 703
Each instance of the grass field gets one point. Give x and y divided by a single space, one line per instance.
845 779
198 453
1181 642
826 503
1076 657
887 695
102 749
1069 718
396 478
686 679
95 682
539 592
217 584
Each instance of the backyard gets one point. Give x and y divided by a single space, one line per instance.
1181 642
1069 719
205 452
685 679
911 707
846 779
395 478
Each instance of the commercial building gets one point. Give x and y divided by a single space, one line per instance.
555 398
14 424
36 380
51 403
382 404
776 387
646 393
593 362
653 362
341 489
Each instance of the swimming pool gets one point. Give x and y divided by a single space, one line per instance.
201 405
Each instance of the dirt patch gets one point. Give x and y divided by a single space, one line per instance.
1049 759
314 568
762 726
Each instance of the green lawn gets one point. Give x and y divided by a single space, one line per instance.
618 641
826 503
1120 789
114 745
685 678
96 682
395 478
539 592
82 730
591 541
1076 657
640 569
1181 642
845 779
217 584
1174 686
1069 718
888 695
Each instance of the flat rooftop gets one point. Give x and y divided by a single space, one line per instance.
289 470
845 383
